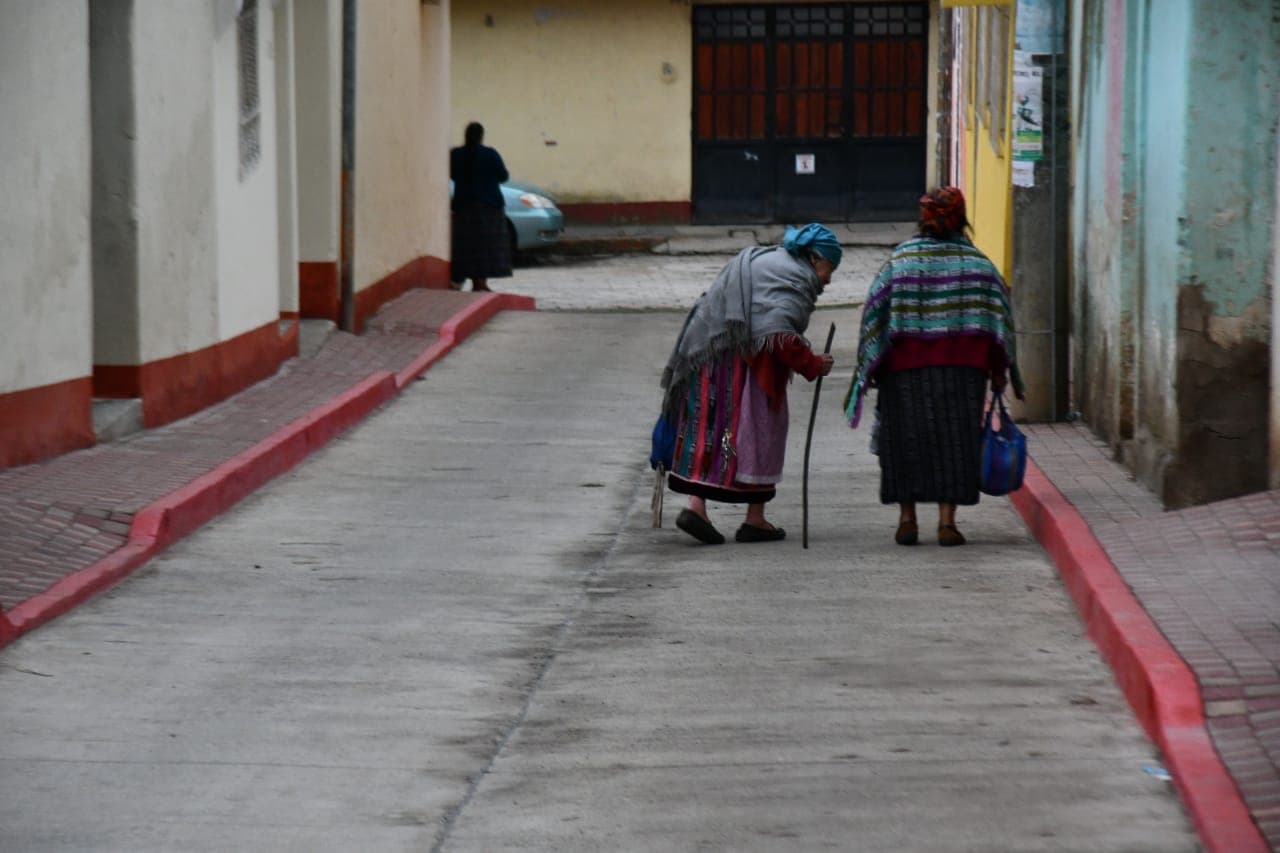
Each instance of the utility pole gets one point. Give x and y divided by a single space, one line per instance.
346 285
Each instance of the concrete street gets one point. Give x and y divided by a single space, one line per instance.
454 629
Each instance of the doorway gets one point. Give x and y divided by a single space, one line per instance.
809 112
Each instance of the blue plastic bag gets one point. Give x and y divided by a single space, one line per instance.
1004 453
664 444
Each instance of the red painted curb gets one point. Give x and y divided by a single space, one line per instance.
1159 685
182 511
178 513
458 327
8 632
77 587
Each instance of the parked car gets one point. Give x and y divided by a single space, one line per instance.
533 220
532 216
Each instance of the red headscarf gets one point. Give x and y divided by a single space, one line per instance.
942 212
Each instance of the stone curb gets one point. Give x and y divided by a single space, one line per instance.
184 510
1159 685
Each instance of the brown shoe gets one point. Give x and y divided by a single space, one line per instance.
908 533
949 536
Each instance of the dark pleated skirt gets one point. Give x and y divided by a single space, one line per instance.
481 244
930 434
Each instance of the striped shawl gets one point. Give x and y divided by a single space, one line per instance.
931 288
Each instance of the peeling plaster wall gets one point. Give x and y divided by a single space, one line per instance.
1223 309
1097 210
1222 401
1234 80
1162 133
1173 234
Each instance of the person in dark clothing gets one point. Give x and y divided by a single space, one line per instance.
481 243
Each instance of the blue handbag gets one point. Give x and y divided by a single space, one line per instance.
663 447
1004 453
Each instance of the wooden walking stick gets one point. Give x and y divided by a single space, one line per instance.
808 442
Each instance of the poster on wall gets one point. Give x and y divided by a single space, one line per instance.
1040 25
1028 109
1024 173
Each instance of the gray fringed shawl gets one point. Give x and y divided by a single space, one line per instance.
762 293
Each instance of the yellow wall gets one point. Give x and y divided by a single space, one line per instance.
573 95
402 106
988 179
989 197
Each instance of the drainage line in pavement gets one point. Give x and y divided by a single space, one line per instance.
451 817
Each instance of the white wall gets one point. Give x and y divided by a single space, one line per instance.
45 296
173 156
247 217
318 48
402 109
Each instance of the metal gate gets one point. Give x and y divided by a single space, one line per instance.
809 112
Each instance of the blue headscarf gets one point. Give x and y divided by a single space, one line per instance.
814 238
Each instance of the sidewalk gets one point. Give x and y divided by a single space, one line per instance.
75 524
1184 607
1182 604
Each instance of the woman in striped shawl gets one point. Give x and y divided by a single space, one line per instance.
936 327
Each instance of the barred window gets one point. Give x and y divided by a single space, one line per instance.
250 112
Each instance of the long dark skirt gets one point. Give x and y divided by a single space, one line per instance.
930 434
481 244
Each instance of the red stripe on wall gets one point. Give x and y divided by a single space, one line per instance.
318 289
629 213
117 380
181 385
426 272
435 272
36 423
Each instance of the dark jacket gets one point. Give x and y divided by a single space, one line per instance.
476 174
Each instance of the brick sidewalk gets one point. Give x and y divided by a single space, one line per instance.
62 515
1209 577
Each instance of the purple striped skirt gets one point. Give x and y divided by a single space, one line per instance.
730 445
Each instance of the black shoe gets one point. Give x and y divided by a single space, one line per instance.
698 527
751 533
908 533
